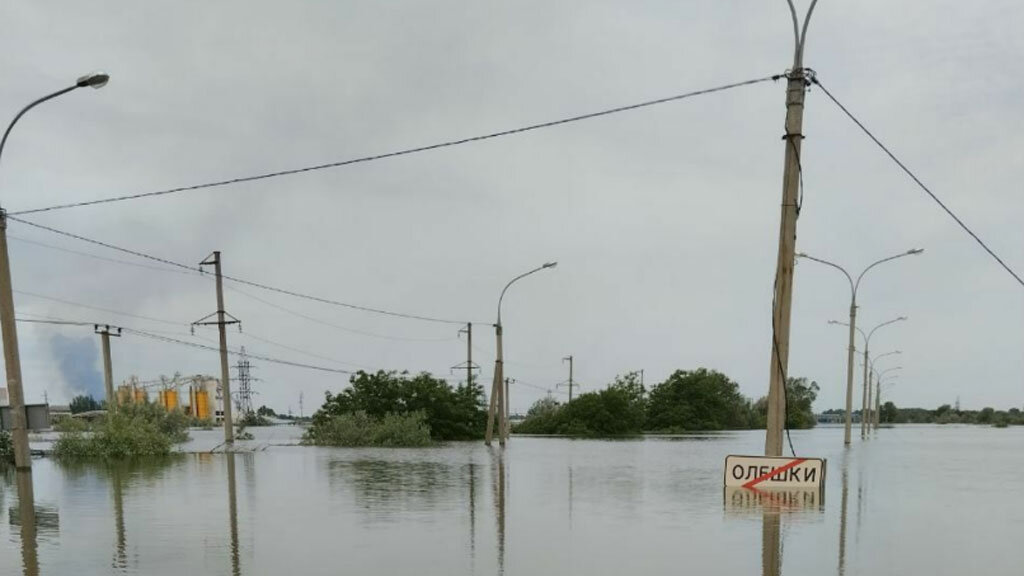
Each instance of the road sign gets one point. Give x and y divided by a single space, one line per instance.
765 473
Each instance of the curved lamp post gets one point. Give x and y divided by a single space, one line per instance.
854 286
499 394
867 341
12 361
878 391
872 413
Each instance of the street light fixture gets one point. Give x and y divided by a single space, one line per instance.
867 341
878 391
872 412
854 285
499 394
12 361
95 80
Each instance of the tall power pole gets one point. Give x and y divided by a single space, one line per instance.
798 79
468 330
108 370
222 323
569 359
12 361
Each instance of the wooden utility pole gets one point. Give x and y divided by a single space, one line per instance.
108 371
796 88
222 323
569 359
12 360
497 407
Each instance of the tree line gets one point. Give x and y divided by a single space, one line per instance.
889 413
388 408
688 400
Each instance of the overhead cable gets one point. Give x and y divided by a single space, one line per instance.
918 181
403 152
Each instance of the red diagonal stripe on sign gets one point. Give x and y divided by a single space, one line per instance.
775 472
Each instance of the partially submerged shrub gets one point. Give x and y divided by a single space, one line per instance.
133 431
360 429
6 448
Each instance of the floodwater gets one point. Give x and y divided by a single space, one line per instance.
911 500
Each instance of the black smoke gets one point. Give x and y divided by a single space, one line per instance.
78 360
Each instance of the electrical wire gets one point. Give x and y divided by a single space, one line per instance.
169 340
192 272
100 309
239 280
332 325
917 181
406 151
304 352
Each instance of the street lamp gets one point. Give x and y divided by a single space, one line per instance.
853 324
878 388
888 382
12 361
499 394
867 341
873 408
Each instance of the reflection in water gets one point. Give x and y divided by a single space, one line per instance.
117 485
745 500
387 486
233 515
570 497
842 514
27 519
499 505
472 515
771 544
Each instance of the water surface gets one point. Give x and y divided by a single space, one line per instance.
913 500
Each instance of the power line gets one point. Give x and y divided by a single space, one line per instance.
332 325
239 280
305 352
405 151
917 180
170 340
192 272
99 309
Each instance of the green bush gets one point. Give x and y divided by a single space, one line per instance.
134 431
451 413
361 429
6 448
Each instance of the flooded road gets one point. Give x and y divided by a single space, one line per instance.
913 500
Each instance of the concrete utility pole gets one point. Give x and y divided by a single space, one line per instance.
866 337
868 408
508 427
878 385
12 360
222 323
469 354
865 411
795 90
108 371
569 359
499 395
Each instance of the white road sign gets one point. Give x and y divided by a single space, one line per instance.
765 472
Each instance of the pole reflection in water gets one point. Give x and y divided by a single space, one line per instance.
771 544
117 486
233 515
842 514
570 497
499 505
27 518
472 511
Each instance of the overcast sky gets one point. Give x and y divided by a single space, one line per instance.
664 221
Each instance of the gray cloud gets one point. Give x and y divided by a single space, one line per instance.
664 221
